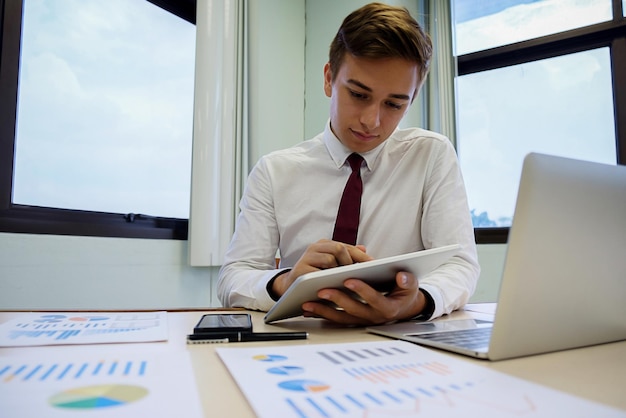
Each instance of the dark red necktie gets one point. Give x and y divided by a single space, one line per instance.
347 222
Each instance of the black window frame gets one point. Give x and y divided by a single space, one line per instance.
44 220
610 34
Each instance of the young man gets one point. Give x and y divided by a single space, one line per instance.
413 196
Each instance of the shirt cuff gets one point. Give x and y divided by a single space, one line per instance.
435 293
429 307
269 285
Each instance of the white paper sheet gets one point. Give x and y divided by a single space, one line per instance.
388 379
98 384
33 329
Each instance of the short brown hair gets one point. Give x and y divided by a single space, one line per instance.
378 30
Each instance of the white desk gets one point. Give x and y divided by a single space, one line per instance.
596 373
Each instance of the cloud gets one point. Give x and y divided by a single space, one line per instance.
527 21
105 107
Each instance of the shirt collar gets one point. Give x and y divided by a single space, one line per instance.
339 152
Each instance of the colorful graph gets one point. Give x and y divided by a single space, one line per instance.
304 386
84 328
384 373
99 396
269 357
41 372
286 370
88 318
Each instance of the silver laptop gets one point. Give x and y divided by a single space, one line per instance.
564 278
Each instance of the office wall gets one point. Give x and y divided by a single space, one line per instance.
276 100
60 272
65 272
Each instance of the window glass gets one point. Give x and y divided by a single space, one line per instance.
105 107
481 24
561 106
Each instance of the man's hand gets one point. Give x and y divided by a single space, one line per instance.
403 302
321 255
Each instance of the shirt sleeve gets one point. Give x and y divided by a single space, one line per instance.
249 263
446 220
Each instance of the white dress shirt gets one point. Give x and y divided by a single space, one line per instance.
413 199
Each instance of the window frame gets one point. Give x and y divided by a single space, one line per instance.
610 34
17 218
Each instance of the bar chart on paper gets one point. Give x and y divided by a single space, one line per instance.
387 379
69 371
126 385
83 328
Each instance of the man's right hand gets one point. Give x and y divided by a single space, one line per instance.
321 255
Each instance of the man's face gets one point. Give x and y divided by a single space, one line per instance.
368 98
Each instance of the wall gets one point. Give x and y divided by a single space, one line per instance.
60 272
65 272
276 99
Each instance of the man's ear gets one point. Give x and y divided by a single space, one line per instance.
328 77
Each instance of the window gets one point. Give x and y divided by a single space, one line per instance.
561 105
481 25
89 143
545 76
105 103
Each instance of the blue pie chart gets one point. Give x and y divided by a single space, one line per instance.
304 385
286 370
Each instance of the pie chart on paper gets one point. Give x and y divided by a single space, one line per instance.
97 397
269 357
286 370
304 386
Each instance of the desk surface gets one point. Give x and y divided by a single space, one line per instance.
596 373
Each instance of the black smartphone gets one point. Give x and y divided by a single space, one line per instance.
220 323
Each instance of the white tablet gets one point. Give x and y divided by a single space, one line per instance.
379 274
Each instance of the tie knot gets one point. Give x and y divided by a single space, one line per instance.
355 160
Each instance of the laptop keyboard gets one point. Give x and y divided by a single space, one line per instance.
467 338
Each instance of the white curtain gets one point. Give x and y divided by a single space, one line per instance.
440 83
220 128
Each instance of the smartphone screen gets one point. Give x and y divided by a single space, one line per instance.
223 322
